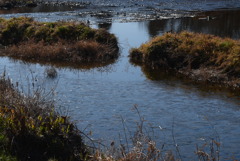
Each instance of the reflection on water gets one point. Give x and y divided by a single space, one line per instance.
222 23
170 76
70 65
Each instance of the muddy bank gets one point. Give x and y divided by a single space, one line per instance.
201 57
70 42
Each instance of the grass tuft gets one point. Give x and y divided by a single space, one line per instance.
205 57
56 41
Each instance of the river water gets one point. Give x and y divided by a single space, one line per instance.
97 99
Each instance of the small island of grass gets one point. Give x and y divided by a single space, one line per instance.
71 42
201 57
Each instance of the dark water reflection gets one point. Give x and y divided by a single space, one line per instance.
225 23
104 66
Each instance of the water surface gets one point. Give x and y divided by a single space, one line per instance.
96 99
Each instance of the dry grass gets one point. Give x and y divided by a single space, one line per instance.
56 41
140 146
16 30
206 57
209 151
33 130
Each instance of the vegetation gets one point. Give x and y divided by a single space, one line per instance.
31 129
58 41
199 56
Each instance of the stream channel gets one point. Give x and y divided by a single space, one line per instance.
98 99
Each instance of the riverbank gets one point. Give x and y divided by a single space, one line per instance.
200 57
22 38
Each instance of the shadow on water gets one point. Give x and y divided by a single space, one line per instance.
103 66
170 78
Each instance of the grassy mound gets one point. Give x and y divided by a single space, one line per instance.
205 57
56 41
30 129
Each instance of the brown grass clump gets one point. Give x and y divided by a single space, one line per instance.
200 56
56 41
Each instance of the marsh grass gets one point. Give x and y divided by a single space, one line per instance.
135 146
210 151
72 42
33 130
140 146
205 57
20 29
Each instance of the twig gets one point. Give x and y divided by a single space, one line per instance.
125 134
174 141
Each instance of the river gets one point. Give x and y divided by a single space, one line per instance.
97 99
